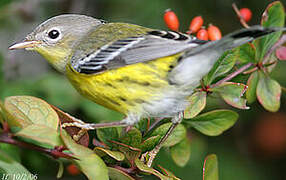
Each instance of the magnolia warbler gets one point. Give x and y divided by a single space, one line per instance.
138 71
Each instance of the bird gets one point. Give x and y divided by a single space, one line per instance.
138 71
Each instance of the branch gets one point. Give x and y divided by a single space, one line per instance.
232 75
6 137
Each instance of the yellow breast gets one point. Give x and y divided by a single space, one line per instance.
125 89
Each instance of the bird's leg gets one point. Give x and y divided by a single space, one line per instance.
152 154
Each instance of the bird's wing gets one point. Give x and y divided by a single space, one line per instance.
140 48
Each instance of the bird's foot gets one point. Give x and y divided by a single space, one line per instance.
91 126
84 127
78 123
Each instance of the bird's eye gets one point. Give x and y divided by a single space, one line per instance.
54 34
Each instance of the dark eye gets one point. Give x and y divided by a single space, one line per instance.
54 34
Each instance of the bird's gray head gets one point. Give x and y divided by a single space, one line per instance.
54 38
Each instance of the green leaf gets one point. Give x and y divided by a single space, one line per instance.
181 152
246 53
143 167
42 134
149 143
114 154
210 169
90 164
252 85
232 94
12 168
36 118
107 134
223 65
273 16
116 174
197 104
177 135
27 110
213 123
268 93
132 138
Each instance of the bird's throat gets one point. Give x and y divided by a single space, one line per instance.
57 57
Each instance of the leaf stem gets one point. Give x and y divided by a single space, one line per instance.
232 75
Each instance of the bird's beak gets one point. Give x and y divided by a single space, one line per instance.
24 44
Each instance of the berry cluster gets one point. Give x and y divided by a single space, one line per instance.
212 33
196 26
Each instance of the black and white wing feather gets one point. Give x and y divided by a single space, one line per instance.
133 50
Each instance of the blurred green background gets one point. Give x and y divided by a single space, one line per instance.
255 148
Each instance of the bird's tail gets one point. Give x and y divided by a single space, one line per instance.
237 38
198 61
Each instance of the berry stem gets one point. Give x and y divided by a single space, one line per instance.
242 21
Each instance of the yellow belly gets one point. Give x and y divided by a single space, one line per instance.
125 89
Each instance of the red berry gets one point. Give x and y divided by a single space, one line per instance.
203 34
73 170
214 33
246 14
171 20
196 24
